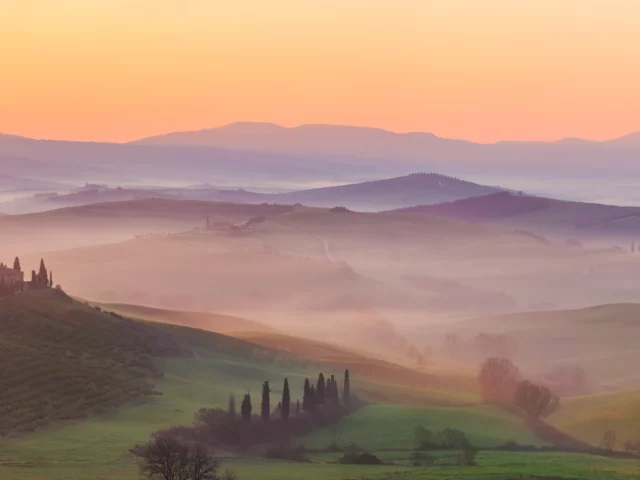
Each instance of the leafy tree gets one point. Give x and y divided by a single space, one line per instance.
320 390
245 408
498 379
346 391
425 439
266 407
232 406
16 265
536 400
452 438
286 400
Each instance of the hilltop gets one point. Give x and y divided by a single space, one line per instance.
557 218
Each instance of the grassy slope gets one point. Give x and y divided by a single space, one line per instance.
589 417
97 447
382 427
379 380
212 322
601 339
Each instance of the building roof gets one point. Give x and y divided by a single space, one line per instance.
9 271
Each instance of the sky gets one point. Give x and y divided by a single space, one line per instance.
482 70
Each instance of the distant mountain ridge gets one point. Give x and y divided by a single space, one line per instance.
270 156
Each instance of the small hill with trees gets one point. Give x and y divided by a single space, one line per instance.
544 216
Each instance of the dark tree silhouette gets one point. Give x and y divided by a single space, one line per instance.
165 458
320 390
50 279
298 408
609 440
34 279
536 400
313 399
306 395
16 265
232 406
245 408
286 400
498 379
346 391
43 277
266 404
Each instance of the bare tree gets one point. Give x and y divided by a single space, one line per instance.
609 440
498 379
536 400
201 465
165 458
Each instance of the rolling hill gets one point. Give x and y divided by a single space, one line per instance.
600 339
338 263
554 218
367 196
212 322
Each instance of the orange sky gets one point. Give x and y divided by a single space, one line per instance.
484 70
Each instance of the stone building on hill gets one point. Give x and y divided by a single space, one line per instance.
11 279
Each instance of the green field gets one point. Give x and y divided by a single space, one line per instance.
97 445
381 427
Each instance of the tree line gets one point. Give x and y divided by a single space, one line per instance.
322 404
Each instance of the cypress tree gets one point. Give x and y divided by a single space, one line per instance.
313 400
34 279
245 408
333 392
306 396
266 407
346 391
297 407
286 400
232 406
50 279
43 277
16 265
320 390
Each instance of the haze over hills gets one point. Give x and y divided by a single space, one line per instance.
367 196
268 156
557 219
599 339
338 264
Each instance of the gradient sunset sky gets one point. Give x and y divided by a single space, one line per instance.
483 70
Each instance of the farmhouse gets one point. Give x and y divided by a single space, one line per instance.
10 277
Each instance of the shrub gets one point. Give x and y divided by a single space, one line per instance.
360 459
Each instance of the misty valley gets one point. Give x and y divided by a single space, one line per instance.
337 240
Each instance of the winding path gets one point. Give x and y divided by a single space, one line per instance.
327 251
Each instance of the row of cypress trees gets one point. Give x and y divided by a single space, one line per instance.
314 396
